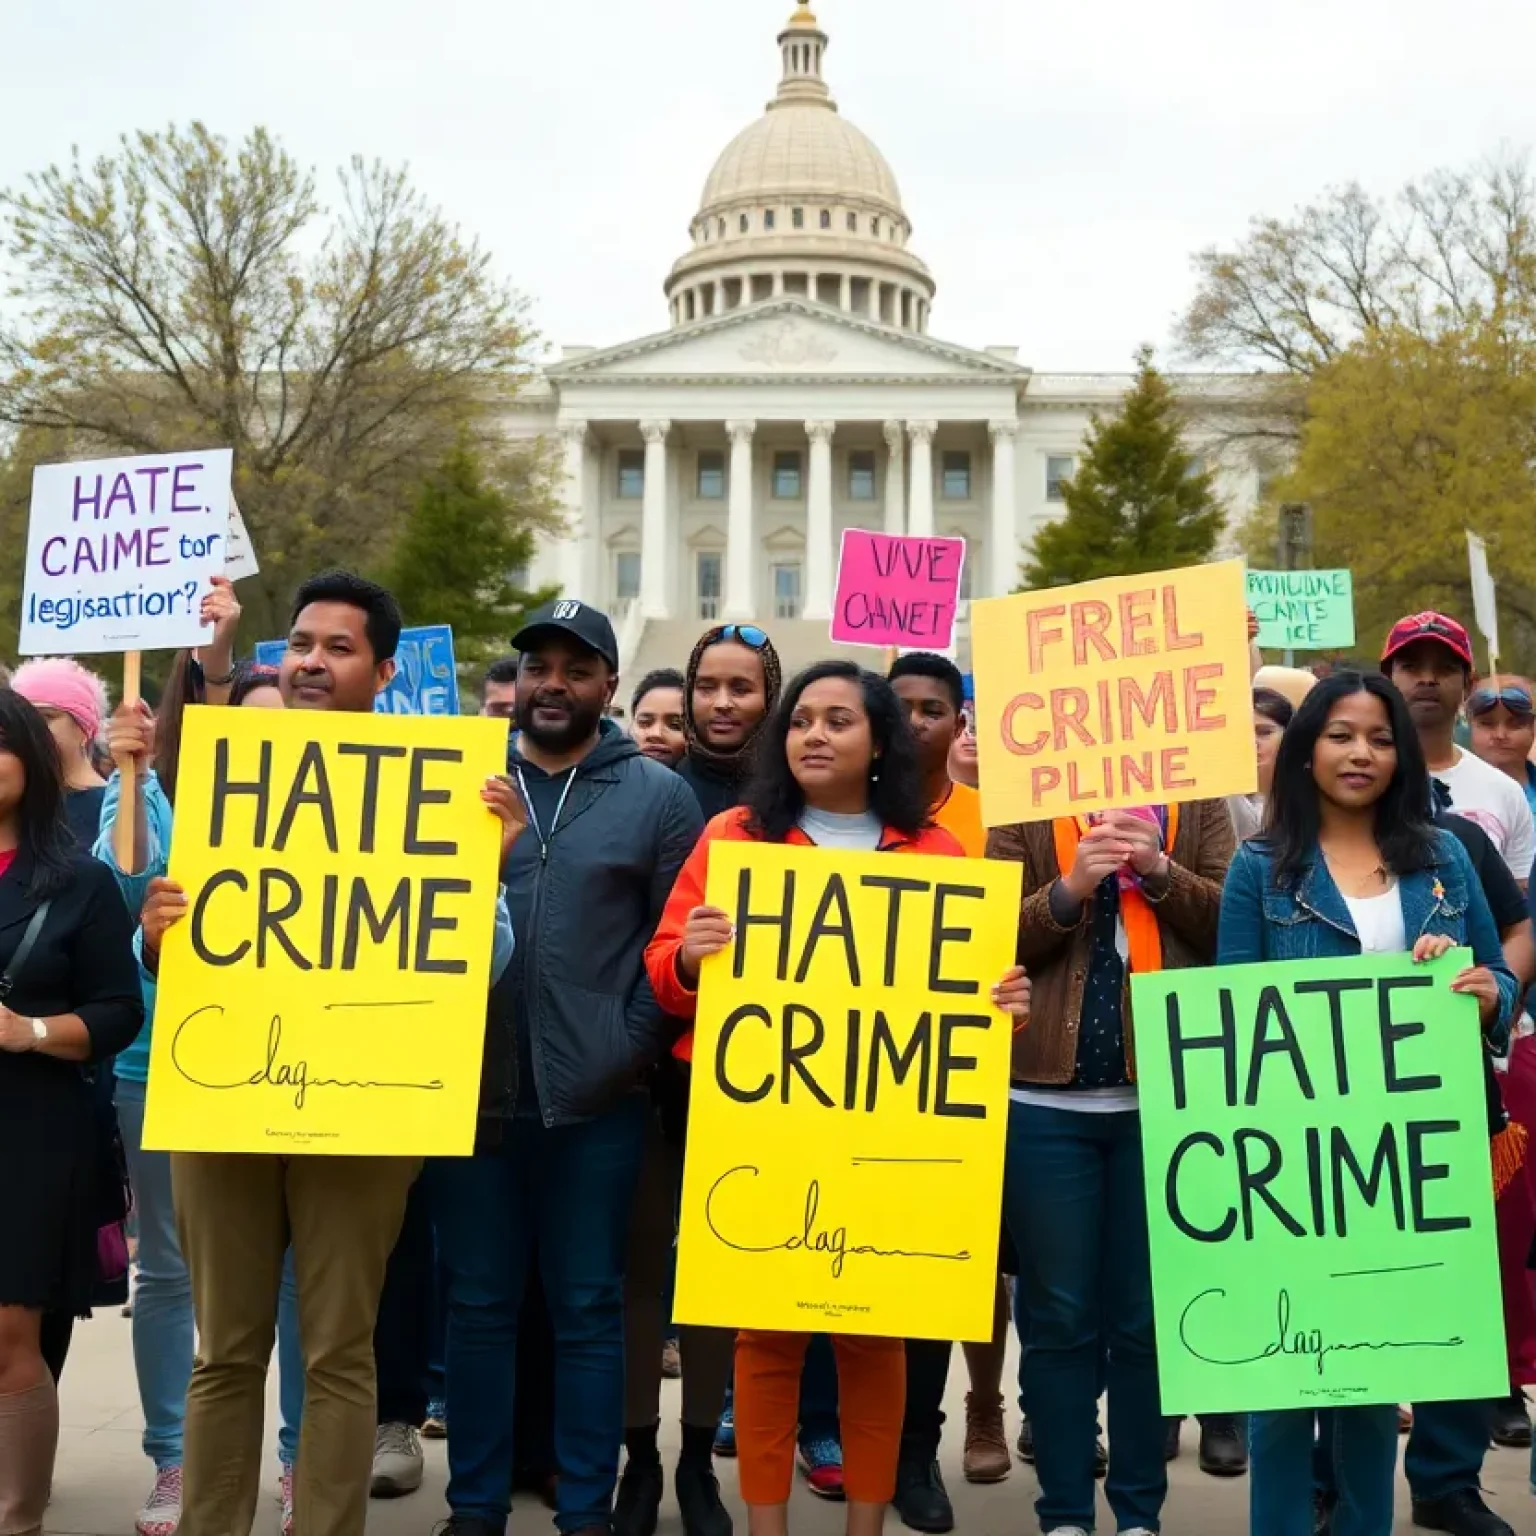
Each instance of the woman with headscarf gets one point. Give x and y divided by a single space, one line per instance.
73 702
733 685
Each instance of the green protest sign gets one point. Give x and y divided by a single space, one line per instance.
1319 1192
1303 610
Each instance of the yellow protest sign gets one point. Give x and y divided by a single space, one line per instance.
1129 691
326 991
850 1095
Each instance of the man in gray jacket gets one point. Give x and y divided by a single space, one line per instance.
573 1026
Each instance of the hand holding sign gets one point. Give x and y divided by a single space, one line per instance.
707 932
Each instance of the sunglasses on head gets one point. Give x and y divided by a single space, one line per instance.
1516 700
748 634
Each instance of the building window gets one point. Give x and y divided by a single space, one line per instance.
797 217
626 579
631 474
708 573
786 591
786 476
826 218
712 476
957 476
861 475
1058 467
874 227
767 218
721 231
746 224
853 223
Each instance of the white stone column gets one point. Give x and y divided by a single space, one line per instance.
572 547
653 524
895 479
740 549
818 523
1003 555
846 294
920 515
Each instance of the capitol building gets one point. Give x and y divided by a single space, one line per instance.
799 389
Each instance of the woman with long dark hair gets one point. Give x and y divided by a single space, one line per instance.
1350 862
836 768
69 995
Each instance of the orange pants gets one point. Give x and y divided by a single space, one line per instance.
872 1395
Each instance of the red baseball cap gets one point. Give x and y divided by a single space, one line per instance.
1429 625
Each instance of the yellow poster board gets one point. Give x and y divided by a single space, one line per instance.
1129 691
849 1100
326 991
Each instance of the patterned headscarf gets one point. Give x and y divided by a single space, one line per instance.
735 764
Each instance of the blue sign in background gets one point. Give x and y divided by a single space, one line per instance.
425 682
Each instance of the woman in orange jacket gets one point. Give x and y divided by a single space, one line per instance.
837 769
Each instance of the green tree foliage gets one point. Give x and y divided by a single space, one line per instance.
462 544
186 293
1135 503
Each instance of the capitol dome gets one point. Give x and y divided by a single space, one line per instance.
801 202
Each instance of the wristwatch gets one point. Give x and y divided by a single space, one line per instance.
39 1033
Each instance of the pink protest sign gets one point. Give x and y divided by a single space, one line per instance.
897 590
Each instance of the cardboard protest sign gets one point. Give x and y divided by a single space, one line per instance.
1129 691
849 1095
239 552
326 990
120 552
426 681
1303 610
1319 1196
897 590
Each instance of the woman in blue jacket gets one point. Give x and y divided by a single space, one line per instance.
1349 862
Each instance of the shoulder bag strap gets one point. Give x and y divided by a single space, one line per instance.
23 950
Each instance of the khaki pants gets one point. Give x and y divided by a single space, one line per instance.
236 1215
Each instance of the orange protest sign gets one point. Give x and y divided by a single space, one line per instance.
1129 691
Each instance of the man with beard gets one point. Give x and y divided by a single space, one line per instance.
573 1027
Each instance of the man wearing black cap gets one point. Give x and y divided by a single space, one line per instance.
573 1026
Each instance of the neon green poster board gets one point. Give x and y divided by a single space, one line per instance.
1303 610
1319 1192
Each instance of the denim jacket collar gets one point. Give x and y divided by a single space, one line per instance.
1424 895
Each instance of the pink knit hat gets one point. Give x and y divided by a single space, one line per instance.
56 682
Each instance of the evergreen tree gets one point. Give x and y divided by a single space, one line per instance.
461 544
1134 503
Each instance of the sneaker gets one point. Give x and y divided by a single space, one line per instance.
921 1499
698 1500
1462 1513
285 1501
986 1441
397 1461
725 1432
822 1463
435 1426
162 1509
1512 1422
1223 1451
671 1360
467 1525
637 1503
1066 1530
1026 1441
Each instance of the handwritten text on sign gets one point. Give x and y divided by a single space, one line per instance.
120 552
1318 1189
326 991
426 681
850 1095
899 591
1129 691
1303 610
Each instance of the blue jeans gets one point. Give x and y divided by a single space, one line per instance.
162 1304
290 1367
1076 1210
1446 1447
1359 1448
565 1195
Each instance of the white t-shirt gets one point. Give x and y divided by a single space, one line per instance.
1497 804
1379 922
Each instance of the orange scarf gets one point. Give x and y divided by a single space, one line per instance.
1137 916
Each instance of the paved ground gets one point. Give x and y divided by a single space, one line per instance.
102 1475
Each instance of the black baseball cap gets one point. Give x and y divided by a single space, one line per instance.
589 625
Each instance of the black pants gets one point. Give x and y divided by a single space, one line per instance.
402 1334
927 1375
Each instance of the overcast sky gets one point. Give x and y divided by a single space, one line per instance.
1060 159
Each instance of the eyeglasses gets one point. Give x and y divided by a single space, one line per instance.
748 634
1516 700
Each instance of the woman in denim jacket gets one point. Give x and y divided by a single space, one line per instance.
1350 863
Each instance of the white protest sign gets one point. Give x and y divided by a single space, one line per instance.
239 552
1485 604
121 551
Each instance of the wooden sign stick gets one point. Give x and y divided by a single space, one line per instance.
128 789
